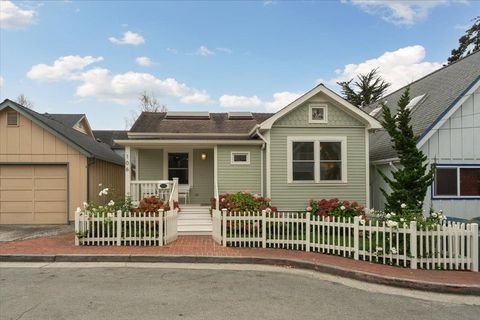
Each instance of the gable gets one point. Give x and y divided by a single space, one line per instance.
299 117
83 127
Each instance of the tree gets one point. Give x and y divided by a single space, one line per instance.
367 89
24 101
147 103
411 181
468 43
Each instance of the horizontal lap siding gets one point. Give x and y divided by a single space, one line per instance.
294 197
234 178
150 164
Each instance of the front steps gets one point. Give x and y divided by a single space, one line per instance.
194 220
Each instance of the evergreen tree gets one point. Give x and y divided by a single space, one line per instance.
367 89
468 43
410 182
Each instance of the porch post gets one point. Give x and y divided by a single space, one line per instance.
175 192
128 170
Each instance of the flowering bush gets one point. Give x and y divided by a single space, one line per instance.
243 201
153 204
335 208
404 216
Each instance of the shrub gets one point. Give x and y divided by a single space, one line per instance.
335 208
242 202
405 215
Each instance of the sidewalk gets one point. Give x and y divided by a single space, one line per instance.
203 249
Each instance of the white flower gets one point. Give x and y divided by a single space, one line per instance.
403 205
362 221
100 184
393 214
342 208
372 210
111 203
401 219
388 215
110 215
434 214
392 224
393 250
85 204
309 209
379 248
103 192
78 210
268 210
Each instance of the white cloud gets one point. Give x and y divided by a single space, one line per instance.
225 50
64 68
399 67
197 97
269 3
128 38
400 12
12 17
204 51
2 81
279 100
143 61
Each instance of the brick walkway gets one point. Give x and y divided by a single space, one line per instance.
205 246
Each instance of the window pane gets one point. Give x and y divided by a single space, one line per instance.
240 158
331 170
330 151
178 160
303 171
446 182
181 174
470 181
303 151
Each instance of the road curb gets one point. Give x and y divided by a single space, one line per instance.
292 263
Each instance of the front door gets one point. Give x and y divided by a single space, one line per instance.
178 166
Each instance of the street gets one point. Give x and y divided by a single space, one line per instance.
162 291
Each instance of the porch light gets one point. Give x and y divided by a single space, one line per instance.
203 156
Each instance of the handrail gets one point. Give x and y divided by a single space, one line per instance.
173 191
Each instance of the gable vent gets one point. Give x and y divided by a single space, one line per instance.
202 115
12 118
240 116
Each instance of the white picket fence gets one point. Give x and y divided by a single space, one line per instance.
126 229
452 245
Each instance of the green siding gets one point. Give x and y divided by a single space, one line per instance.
295 197
336 116
203 177
150 163
234 178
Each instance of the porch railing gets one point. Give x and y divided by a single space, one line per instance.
165 190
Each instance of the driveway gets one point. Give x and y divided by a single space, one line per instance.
21 232
151 291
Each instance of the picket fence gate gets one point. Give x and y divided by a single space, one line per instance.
126 228
449 246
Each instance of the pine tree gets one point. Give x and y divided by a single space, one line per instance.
468 43
410 182
367 89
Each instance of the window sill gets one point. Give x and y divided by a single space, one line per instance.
314 183
456 198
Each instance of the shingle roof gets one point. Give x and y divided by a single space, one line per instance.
157 122
67 119
109 137
442 88
83 142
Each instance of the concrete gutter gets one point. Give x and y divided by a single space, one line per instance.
283 262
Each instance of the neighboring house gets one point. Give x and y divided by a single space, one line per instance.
315 147
50 164
109 137
445 111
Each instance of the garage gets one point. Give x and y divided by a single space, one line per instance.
33 194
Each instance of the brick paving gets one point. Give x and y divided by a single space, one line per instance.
204 246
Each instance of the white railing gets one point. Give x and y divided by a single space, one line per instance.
162 189
125 229
452 246
173 194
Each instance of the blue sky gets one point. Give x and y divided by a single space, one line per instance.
96 57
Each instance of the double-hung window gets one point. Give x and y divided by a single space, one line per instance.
457 182
316 159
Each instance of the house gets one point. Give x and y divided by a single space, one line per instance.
445 111
315 147
50 164
109 137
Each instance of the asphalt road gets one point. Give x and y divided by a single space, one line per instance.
90 292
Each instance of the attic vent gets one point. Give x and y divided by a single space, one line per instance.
240 116
375 112
12 118
188 115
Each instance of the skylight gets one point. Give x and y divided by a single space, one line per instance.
415 101
375 112
239 115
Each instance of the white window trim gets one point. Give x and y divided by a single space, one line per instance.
316 149
457 196
233 153
325 113
166 151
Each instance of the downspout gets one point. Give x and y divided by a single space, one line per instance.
261 159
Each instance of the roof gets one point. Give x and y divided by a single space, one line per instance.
84 143
109 137
68 120
218 126
442 87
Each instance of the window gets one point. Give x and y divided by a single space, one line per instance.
240 157
12 118
178 167
457 182
318 113
316 159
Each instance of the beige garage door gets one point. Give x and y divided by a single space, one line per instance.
33 194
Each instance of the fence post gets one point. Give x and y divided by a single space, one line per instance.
162 227
77 227
118 229
307 232
264 229
413 244
224 227
474 247
356 238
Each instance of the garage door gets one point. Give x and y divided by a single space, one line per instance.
33 194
